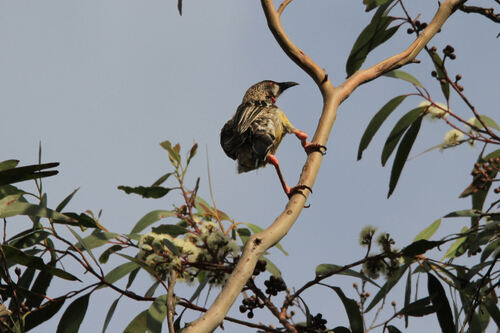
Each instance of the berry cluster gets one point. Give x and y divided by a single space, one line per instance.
318 322
484 172
449 52
274 285
419 26
249 304
260 267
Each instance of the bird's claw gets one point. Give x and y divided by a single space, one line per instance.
297 190
312 147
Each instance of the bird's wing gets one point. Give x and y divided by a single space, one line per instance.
248 112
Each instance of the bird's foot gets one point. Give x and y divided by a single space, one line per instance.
310 147
290 191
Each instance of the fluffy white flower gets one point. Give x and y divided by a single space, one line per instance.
452 137
436 110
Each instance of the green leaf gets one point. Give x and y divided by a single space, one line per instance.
441 304
402 154
271 267
418 308
377 121
23 208
398 74
103 258
170 229
200 288
392 329
8 164
66 200
454 248
96 239
327 269
14 175
398 130
120 271
83 244
42 314
171 246
151 218
162 179
81 220
19 257
407 294
429 231
73 316
172 153
489 122
110 314
420 247
438 64
371 4
493 311
157 313
372 36
492 247
465 213
151 291
256 229
154 192
340 329
138 324
31 238
42 283
139 262
132 276
387 287
352 309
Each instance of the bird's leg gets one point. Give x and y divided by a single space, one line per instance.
309 147
289 191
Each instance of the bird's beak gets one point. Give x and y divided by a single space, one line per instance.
286 85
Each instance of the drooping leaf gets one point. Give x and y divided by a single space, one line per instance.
42 314
407 294
429 231
441 76
40 286
19 257
271 267
453 251
120 271
138 324
192 152
489 122
420 247
103 258
419 308
256 229
352 309
151 218
23 208
96 239
387 287
493 247
179 6
398 74
392 329
377 121
31 238
170 229
326 269
398 130
200 288
341 329
156 314
14 175
139 262
73 316
83 245
81 220
402 154
132 276
371 4
374 34
493 311
110 314
151 291
465 213
441 304
154 192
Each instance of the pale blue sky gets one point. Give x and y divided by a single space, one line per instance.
101 83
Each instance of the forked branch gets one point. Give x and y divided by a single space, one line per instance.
332 97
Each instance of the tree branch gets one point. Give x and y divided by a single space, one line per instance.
487 12
332 97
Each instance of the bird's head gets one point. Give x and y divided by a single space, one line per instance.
267 91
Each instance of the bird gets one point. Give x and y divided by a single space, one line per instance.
253 134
